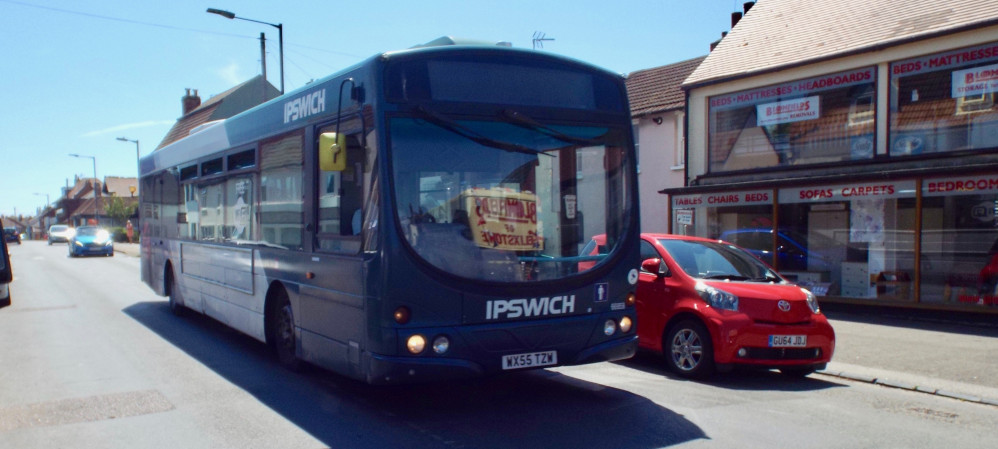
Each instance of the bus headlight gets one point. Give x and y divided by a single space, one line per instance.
625 324
441 344
609 327
631 299
416 344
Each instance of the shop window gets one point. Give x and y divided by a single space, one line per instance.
743 218
960 241
826 119
945 102
852 241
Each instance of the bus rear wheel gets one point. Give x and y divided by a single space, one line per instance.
176 301
283 336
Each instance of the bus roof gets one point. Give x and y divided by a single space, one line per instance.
303 102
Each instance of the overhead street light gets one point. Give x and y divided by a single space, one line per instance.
46 198
136 142
96 188
280 35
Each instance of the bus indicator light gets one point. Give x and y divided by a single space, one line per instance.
402 315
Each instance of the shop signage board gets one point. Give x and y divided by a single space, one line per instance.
965 185
722 199
945 61
848 192
684 216
782 93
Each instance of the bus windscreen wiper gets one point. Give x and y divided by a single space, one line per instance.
518 118
471 134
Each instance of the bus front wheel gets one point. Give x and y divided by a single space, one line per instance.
283 326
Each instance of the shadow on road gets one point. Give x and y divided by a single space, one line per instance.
525 409
738 379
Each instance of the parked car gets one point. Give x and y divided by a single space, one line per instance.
60 233
10 234
709 305
89 240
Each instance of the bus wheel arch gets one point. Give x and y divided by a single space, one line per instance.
172 290
279 327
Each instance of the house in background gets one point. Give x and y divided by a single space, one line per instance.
658 108
224 105
76 206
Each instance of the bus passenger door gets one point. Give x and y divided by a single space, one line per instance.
332 301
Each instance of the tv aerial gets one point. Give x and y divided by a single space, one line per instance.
539 38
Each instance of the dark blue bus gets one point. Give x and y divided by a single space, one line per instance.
420 216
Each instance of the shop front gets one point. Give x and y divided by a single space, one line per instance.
922 241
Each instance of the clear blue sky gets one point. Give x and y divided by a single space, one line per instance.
78 74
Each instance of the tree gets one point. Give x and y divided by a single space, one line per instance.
118 210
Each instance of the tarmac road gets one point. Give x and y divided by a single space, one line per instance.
943 354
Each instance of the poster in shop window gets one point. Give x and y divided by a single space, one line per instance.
788 111
867 220
504 219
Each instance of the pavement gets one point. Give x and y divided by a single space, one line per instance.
948 354
129 249
941 353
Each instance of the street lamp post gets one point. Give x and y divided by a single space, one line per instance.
96 188
280 35
136 142
44 218
46 199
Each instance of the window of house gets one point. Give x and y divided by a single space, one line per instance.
945 102
826 119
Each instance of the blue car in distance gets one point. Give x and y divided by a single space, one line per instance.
90 240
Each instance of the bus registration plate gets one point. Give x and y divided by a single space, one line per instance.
529 360
787 341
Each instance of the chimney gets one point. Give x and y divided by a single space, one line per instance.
735 17
190 102
747 6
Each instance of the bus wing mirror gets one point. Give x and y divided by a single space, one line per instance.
332 152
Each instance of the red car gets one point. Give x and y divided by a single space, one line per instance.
709 305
